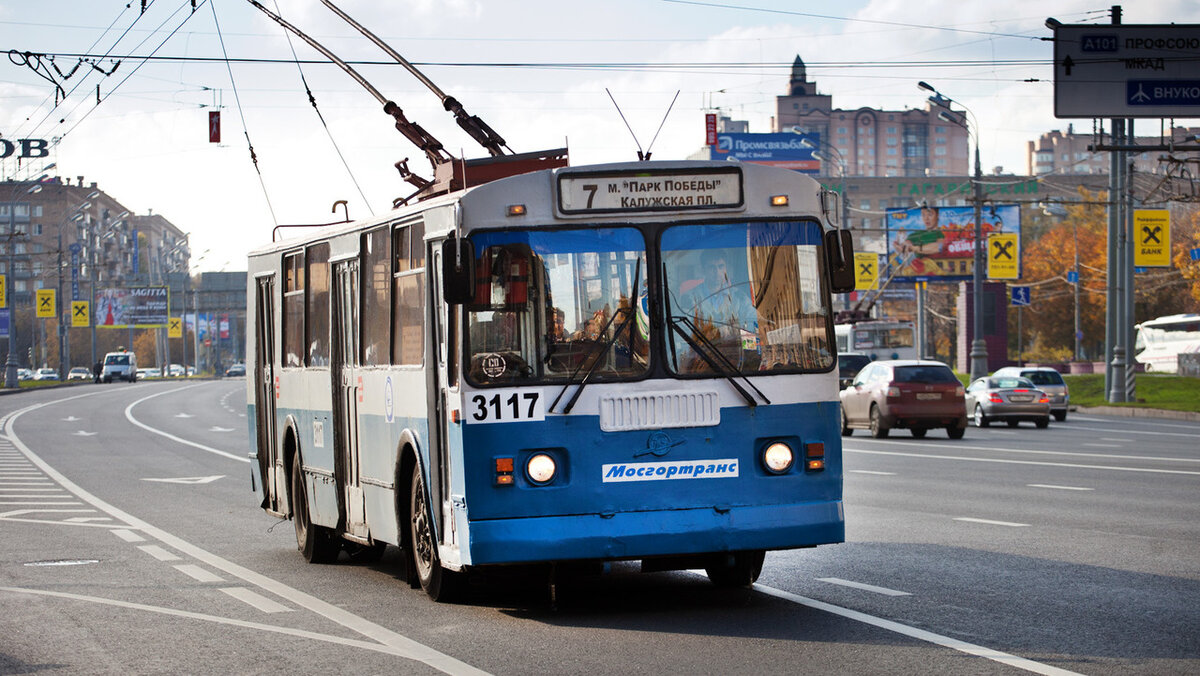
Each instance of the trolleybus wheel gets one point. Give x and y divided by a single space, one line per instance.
316 543
440 584
736 569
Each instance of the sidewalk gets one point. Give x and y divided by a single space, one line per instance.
1136 412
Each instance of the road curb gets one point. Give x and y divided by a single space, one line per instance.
1138 412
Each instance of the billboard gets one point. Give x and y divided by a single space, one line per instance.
777 150
136 306
938 243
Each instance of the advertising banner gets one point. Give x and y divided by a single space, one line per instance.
135 306
938 243
777 150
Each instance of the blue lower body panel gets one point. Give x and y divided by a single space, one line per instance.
635 535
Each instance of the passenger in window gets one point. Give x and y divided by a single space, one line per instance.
718 302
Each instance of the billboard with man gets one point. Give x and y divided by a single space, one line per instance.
932 243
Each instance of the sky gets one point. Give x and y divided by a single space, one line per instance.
543 74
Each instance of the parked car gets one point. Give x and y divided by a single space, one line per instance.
120 365
79 373
46 374
1047 380
175 370
236 370
917 394
24 374
149 372
1009 399
849 364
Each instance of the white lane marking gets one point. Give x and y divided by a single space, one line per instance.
1095 445
127 535
5 490
868 471
919 634
1027 451
172 437
12 502
1023 462
863 586
1061 488
159 553
390 642
300 633
197 573
189 479
1112 439
1125 430
214 428
88 519
991 522
255 599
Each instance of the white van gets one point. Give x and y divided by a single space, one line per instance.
119 366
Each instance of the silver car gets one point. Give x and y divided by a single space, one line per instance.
1047 380
1007 398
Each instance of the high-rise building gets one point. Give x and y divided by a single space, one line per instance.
1056 152
874 142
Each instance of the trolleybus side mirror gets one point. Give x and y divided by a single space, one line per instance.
839 258
458 271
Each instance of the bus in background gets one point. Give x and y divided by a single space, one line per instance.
1160 341
618 362
879 338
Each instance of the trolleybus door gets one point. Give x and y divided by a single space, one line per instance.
443 381
269 466
346 388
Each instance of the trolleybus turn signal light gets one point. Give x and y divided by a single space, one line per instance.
516 210
504 471
814 456
779 200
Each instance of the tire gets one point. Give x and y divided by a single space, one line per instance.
879 429
1042 423
956 432
736 569
846 429
316 543
440 584
981 420
1060 416
919 432
1013 423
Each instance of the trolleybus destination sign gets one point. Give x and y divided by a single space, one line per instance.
606 192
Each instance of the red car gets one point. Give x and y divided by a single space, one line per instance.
913 393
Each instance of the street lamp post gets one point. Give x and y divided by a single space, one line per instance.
979 360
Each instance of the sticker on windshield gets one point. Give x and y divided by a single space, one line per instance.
506 406
493 365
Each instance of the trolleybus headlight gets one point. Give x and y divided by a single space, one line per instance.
778 457
541 468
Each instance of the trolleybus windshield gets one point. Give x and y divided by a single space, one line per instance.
552 304
752 292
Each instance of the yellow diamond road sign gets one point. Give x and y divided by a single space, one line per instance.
81 314
866 271
1152 238
1004 256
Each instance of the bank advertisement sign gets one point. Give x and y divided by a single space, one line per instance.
777 150
142 307
938 243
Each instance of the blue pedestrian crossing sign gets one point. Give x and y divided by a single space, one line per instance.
1020 296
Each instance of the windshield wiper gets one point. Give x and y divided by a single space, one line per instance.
629 314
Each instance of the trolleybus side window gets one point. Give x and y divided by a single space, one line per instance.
376 296
316 319
293 309
408 246
750 296
558 305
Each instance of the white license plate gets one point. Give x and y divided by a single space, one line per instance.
1020 398
929 395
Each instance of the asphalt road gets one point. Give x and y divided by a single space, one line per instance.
130 542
